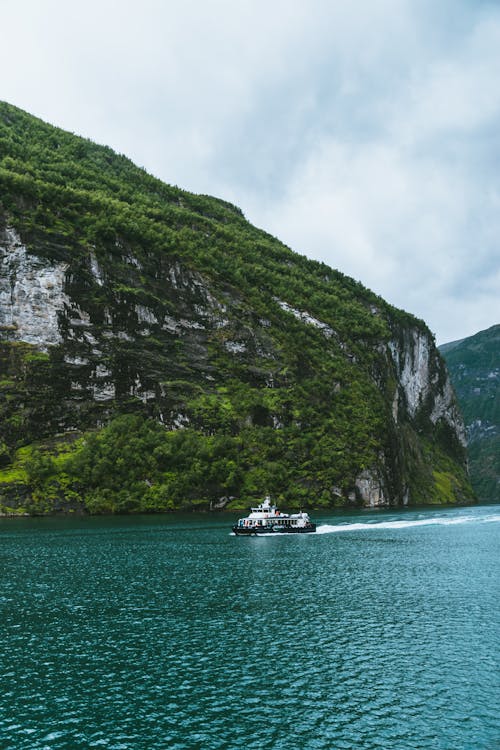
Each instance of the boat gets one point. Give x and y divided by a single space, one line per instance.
267 519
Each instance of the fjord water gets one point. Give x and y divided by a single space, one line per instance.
381 631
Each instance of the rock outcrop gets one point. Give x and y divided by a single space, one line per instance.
31 293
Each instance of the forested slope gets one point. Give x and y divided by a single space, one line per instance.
157 351
474 365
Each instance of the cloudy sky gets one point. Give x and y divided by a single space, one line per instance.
365 133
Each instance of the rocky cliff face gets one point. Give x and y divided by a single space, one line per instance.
31 293
423 381
285 375
422 393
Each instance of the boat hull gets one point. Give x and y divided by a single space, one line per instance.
253 531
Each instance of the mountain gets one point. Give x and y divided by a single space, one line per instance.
443 348
474 366
158 351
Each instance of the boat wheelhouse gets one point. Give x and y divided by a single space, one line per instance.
267 519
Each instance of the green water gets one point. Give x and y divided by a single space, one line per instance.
381 631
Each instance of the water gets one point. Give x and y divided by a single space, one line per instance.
381 631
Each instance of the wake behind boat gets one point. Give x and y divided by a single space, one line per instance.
267 519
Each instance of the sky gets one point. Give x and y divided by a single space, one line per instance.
363 133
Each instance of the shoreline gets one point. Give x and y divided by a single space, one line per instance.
233 511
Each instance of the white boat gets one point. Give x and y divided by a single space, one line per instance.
267 519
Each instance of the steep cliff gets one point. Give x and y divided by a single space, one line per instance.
474 365
158 351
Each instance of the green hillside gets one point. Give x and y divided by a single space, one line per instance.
157 351
474 365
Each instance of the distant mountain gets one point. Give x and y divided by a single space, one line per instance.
157 351
474 367
449 346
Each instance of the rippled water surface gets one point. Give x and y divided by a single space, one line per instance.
381 631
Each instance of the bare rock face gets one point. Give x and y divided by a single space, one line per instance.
412 367
445 407
423 382
31 294
370 489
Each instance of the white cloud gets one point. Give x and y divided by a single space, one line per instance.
364 134
410 207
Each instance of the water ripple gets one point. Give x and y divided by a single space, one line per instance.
169 633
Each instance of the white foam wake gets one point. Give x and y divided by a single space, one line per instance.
374 525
